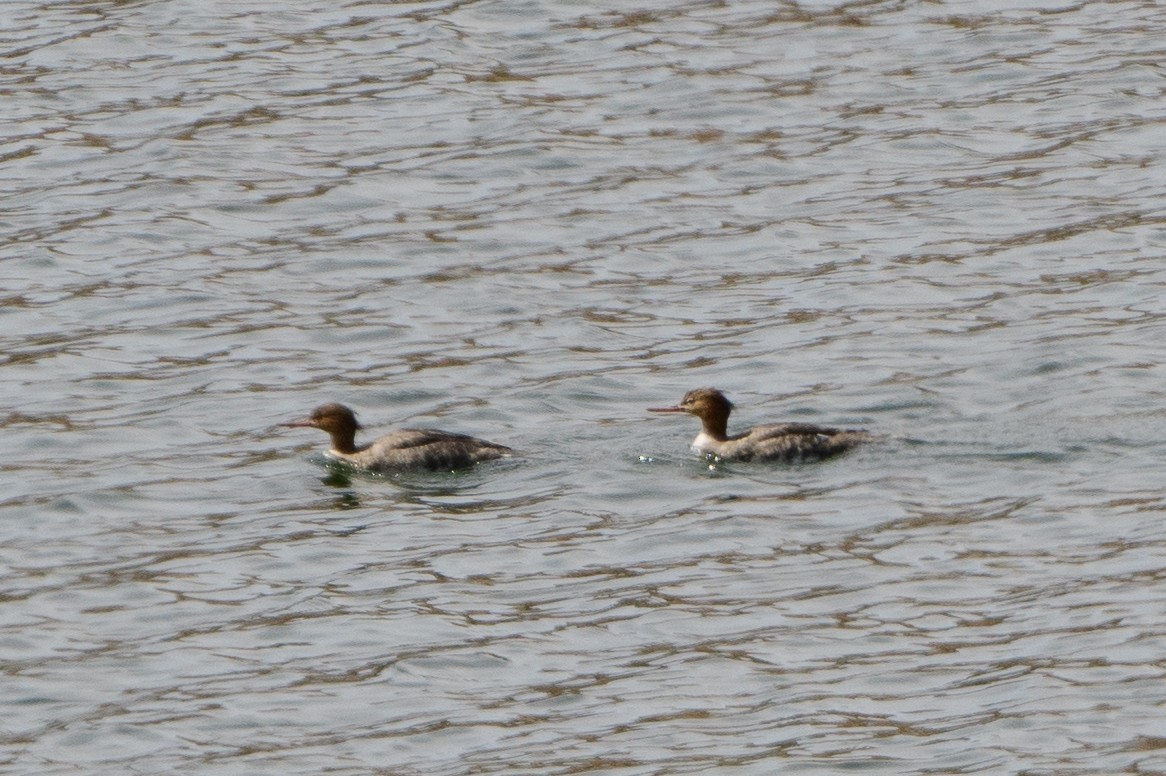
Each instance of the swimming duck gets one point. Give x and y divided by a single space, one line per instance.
785 442
409 448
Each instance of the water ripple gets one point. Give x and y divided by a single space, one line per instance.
531 222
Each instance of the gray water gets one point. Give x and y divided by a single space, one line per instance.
529 221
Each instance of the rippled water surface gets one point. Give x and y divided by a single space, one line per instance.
530 221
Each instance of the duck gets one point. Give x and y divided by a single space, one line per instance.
781 442
407 449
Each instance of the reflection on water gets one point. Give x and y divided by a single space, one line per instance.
533 222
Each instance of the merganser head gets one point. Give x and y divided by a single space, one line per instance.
337 421
700 402
708 404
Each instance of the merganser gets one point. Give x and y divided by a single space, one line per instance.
409 448
786 442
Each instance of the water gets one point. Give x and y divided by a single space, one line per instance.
529 222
